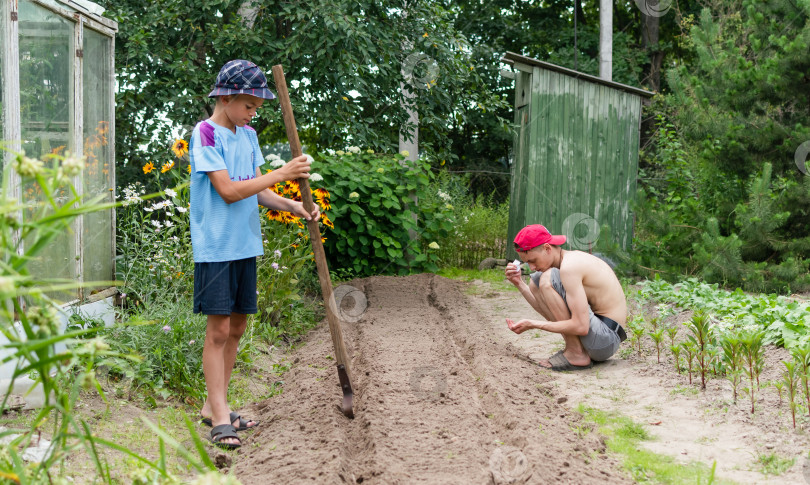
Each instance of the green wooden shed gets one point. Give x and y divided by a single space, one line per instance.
575 153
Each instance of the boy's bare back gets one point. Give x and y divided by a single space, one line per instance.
602 287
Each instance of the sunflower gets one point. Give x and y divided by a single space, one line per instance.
327 222
321 193
148 167
274 215
324 204
166 167
180 147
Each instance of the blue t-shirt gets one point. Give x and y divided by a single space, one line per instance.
221 231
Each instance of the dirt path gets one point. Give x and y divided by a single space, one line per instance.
442 398
439 400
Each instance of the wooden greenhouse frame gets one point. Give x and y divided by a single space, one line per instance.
85 49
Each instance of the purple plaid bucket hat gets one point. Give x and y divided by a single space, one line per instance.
241 77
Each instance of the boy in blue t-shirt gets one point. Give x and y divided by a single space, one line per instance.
227 188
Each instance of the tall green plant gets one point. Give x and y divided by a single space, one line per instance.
702 337
732 358
751 343
657 337
690 349
789 378
802 357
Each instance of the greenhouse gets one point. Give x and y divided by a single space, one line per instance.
58 97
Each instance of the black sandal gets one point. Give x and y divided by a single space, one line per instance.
223 431
243 423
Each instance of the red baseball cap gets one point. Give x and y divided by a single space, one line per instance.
536 235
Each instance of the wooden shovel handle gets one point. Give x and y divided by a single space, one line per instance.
314 231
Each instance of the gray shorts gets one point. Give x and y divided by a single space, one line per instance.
601 342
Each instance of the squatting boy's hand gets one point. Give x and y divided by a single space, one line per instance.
296 168
513 274
520 326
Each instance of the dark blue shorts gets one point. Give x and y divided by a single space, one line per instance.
225 287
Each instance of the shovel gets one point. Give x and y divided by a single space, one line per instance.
341 357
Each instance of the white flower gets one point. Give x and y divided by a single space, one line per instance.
157 224
315 177
277 163
340 153
148 209
277 253
7 286
354 195
27 167
170 193
168 223
274 265
433 245
272 156
72 165
443 195
353 149
309 158
181 209
405 153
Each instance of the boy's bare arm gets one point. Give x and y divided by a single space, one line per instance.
272 200
232 191
579 323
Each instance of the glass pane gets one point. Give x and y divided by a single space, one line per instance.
98 176
46 101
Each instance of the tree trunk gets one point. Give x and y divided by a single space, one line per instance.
649 40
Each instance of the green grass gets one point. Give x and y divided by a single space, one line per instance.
624 439
494 276
773 464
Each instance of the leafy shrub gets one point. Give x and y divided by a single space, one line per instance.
480 224
374 213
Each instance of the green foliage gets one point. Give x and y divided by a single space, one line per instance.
286 255
375 212
345 62
480 223
62 363
786 322
721 195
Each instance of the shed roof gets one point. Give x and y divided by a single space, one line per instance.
522 62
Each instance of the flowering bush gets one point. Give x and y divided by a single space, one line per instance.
286 254
374 213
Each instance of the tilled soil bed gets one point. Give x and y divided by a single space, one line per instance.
439 398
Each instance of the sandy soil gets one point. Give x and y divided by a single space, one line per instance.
445 393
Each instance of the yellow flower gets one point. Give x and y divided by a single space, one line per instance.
424 35
166 167
180 147
433 245
380 170
345 98
405 153
148 167
188 169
